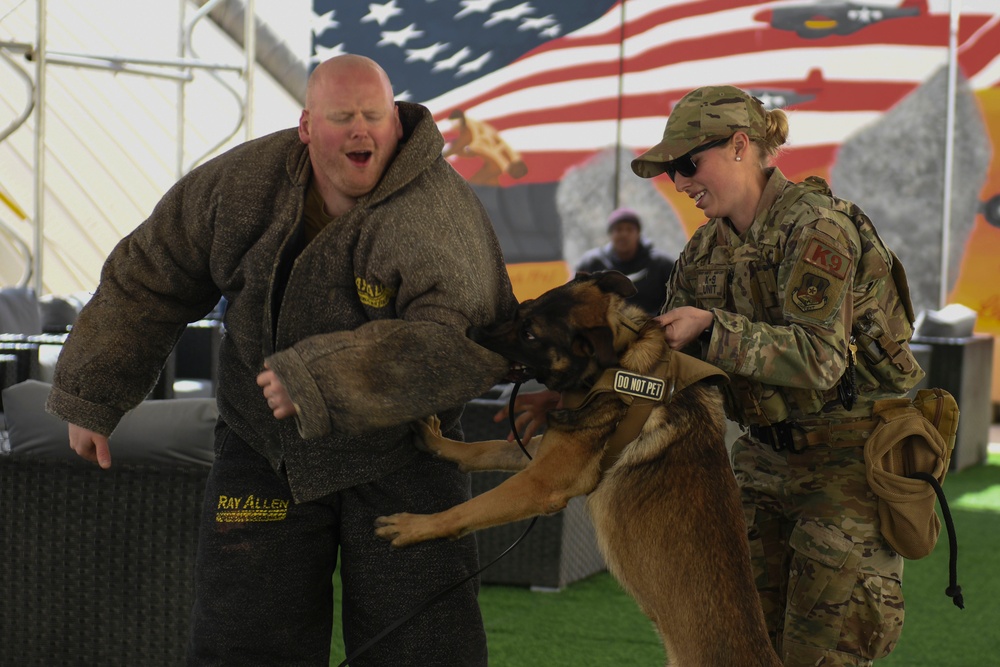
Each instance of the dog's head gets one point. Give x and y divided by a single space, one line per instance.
566 336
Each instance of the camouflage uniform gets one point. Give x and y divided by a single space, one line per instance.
808 285
784 309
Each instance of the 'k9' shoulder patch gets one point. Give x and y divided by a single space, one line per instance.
640 386
825 258
818 283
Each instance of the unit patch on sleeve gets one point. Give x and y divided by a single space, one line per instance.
810 293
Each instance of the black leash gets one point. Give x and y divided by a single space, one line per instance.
954 591
434 598
510 416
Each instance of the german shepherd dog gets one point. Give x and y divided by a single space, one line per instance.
666 508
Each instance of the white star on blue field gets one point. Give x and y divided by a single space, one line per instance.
431 46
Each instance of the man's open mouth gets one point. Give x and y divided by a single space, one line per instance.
359 158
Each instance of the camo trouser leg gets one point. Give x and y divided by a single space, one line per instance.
829 583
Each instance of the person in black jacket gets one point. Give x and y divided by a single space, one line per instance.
629 253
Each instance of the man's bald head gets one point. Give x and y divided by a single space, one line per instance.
336 69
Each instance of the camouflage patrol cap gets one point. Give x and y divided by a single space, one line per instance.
704 114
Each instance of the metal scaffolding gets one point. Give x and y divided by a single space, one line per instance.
179 68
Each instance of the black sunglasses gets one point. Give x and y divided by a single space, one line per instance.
685 165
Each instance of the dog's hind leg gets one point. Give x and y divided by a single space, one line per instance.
669 520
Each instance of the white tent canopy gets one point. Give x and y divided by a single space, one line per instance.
120 121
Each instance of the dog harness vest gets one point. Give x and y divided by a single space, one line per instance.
673 373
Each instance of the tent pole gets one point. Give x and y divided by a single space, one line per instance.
40 76
949 150
250 53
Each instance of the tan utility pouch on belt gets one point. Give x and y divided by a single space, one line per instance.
911 437
907 457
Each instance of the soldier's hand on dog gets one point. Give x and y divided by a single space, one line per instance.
681 326
277 396
533 409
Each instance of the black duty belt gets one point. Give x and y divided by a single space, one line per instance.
795 437
781 436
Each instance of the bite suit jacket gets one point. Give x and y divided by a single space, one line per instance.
365 325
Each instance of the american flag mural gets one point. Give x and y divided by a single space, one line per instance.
544 102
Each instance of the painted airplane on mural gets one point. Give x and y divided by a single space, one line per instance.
547 84
814 21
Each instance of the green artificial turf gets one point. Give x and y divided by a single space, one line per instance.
936 633
589 623
593 622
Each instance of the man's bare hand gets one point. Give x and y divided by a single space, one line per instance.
277 396
90 445
533 409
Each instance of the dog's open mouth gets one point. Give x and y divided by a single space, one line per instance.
519 373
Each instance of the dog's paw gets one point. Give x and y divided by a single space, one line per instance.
429 430
385 527
432 426
402 530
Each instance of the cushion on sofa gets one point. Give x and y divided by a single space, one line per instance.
56 314
174 431
19 312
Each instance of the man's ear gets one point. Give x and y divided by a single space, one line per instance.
399 123
304 126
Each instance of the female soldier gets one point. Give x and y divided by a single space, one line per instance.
790 291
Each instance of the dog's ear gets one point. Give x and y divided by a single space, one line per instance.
614 282
597 342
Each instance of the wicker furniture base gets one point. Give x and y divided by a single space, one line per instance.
98 565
